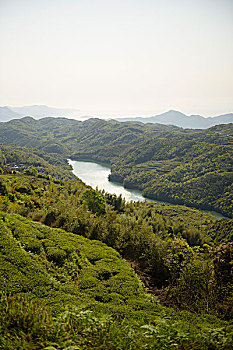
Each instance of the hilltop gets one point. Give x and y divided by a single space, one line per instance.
184 121
171 117
7 114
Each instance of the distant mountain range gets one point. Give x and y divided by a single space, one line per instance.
183 120
7 114
168 118
37 111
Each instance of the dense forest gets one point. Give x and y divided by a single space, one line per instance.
181 166
81 268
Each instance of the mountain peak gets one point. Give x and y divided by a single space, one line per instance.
172 112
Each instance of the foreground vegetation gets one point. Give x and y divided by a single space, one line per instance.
63 280
62 290
173 247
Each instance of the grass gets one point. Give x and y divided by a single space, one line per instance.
63 291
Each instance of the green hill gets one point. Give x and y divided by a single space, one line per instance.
65 285
21 159
65 291
191 167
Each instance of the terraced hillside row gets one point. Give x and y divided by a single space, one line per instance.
62 290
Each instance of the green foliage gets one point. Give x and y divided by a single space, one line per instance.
63 290
190 167
34 162
27 324
47 271
196 174
94 201
23 322
102 305
194 289
221 231
177 254
162 240
3 189
39 260
223 272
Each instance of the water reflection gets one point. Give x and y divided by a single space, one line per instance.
96 175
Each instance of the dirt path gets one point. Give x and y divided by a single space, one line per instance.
146 279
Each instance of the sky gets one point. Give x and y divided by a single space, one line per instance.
118 57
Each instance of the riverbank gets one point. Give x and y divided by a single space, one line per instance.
97 175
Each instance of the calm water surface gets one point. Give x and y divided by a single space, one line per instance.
96 175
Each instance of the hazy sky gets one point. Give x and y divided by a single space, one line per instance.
118 57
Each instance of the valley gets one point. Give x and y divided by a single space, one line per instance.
116 175
97 175
166 163
64 245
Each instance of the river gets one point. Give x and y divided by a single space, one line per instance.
96 175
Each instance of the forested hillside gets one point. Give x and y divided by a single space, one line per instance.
22 159
191 167
63 279
116 226
64 291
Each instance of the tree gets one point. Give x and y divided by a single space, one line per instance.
94 201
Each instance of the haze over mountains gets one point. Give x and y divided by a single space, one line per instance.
184 121
36 111
7 114
171 117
